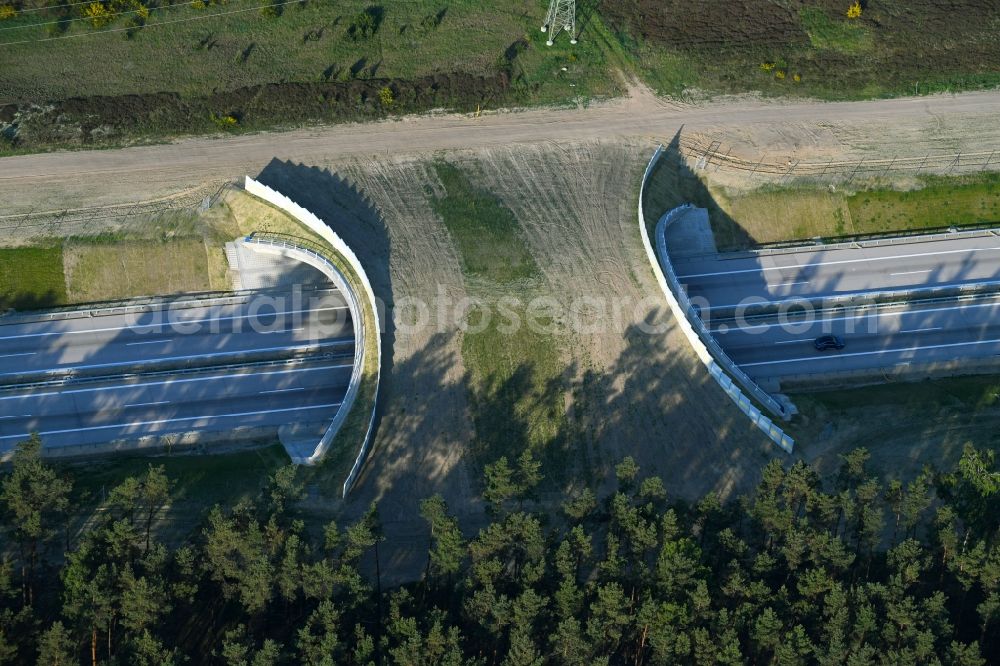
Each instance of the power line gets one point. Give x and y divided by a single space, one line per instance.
152 25
89 18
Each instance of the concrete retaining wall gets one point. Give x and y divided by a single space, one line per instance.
674 295
283 248
336 243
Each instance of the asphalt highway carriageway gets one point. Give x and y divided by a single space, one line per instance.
802 284
724 281
277 358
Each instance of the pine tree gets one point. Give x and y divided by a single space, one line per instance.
318 642
500 486
447 545
56 647
36 500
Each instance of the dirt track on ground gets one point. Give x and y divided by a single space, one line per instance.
624 391
813 129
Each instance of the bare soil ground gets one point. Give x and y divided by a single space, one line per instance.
628 392
55 181
625 392
835 152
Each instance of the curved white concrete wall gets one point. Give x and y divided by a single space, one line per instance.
264 245
318 227
776 434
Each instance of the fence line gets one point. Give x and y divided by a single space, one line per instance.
55 222
721 157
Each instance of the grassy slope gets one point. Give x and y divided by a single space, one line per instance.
31 278
200 480
104 272
512 368
905 425
811 47
783 214
941 202
168 253
310 42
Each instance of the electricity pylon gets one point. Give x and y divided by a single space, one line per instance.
561 16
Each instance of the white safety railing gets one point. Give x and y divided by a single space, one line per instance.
316 259
707 350
898 238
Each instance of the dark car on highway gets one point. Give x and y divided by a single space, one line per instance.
826 342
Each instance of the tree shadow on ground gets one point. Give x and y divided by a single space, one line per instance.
23 301
652 403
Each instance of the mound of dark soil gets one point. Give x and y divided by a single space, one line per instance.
97 120
925 45
707 23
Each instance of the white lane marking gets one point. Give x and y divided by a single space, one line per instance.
287 390
869 353
790 342
148 404
147 342
186 418
183 380
873 313
839 262
173 358
841 294
788 284
21 354
16 416
137 328
911 272
922 330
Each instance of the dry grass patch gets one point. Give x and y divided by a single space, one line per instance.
769 217
103 272
252 214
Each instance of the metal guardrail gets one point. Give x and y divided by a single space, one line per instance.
857 299
856 310
130 306
698 338
853 243
75 380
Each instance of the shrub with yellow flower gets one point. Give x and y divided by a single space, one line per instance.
7 12
98 15
854 11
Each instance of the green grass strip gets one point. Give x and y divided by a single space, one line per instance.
31 278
